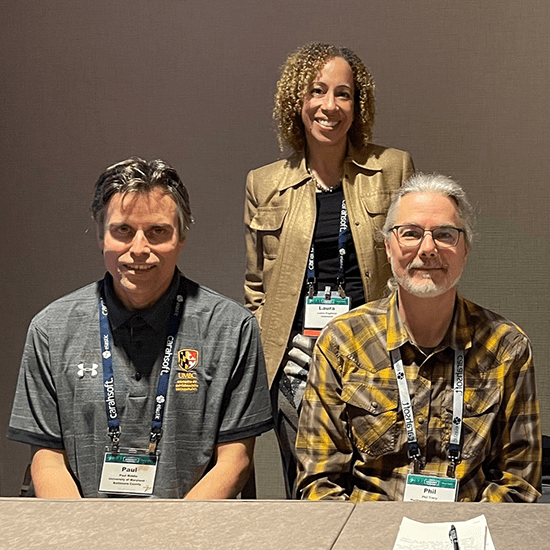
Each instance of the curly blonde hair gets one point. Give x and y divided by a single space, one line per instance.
298 72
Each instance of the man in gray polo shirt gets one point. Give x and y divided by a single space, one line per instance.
144 383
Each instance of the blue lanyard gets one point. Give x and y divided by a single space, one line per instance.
343 238
113 419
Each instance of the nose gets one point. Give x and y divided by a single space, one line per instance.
329 102
427 245
140 244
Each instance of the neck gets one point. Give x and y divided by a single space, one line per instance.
134 300
427 319
326 162
134 303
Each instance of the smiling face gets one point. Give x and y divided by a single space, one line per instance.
427 270
327 111
141 245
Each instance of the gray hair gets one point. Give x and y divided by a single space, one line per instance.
135 175
441 185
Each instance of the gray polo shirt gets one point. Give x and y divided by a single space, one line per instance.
217 391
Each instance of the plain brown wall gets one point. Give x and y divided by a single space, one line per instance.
463 85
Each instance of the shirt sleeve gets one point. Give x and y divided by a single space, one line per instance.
514 470
253 280
408 166
324 450
34 418
246 406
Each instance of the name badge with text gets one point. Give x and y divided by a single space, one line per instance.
427 488
321 309
129 471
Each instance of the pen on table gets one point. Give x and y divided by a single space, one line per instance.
454 538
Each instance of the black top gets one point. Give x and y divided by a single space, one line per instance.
325 240
142 333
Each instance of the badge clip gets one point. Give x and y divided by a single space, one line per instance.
114 434
454 458
414 455
156 434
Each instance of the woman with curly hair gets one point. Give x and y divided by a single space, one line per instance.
311 219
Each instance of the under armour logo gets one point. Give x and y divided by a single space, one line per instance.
160 399
82 370
400 375
456 420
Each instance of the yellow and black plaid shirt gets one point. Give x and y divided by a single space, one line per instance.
352 442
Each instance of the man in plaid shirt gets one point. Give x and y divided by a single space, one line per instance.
424 385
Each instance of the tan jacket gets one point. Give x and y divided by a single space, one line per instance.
279 219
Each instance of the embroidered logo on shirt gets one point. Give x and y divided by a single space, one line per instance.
188 359
187 379
91 370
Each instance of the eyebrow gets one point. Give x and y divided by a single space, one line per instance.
444 225
119 224
338 86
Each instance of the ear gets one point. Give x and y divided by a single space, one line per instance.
388 250
181 244
100 238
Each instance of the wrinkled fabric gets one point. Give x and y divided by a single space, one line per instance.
279 218
351 441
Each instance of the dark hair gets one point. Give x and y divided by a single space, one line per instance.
135 175
297 74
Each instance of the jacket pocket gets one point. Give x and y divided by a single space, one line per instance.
481 407
377 202
268 222
372 416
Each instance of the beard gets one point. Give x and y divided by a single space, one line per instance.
424 287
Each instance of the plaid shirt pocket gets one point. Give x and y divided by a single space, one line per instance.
372 416
481 406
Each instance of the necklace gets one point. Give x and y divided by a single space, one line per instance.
321 186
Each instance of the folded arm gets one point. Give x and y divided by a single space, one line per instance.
514 471
51 474
253 280
324 450
233 465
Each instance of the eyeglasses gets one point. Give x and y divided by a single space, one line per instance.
412 235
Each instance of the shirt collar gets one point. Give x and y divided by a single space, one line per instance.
458 336
363 158
396 331
296 171
155 316
461 327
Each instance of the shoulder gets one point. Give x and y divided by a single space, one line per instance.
73 306
350 330
203 301
493 331
376 156
480 316
277 174
279 166
365 313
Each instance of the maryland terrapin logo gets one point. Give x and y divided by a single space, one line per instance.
188 359
187 379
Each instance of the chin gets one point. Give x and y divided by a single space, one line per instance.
425 291
426 288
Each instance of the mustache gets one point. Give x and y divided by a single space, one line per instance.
419 264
